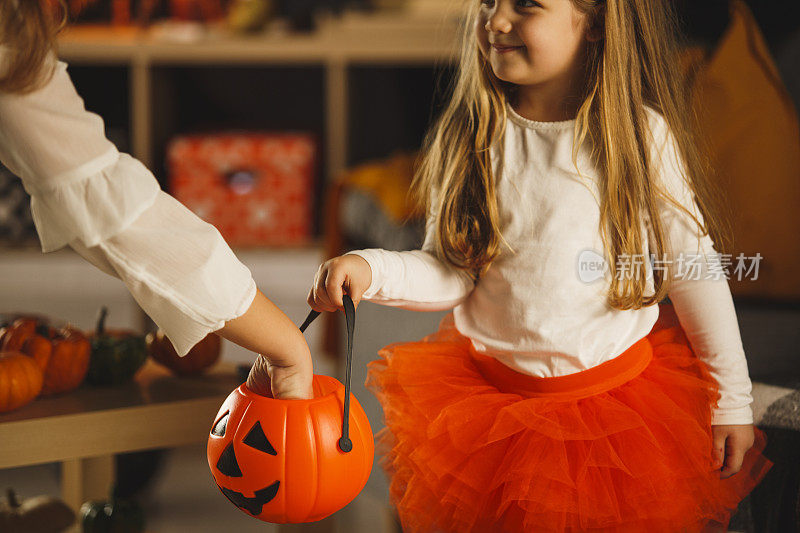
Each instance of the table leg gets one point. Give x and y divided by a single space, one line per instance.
86 479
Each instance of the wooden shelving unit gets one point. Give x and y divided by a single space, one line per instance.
339 43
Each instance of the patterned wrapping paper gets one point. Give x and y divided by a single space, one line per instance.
256 188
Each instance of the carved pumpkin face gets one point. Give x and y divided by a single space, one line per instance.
279 460
228 465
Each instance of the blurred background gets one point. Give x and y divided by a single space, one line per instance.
292 126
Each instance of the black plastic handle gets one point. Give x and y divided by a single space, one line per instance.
345 444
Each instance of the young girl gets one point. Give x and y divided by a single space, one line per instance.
560 395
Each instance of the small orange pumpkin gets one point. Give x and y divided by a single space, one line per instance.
202 355
40 348
20 380
15 335
62 354
69 361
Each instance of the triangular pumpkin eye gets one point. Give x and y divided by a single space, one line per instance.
256 439
228 464
219 428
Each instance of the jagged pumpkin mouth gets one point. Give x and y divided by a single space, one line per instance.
255 504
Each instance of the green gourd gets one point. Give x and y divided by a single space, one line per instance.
116 515
116 354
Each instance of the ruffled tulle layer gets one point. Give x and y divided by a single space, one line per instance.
464 454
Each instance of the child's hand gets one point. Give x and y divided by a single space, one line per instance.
288 370
349 274
730 444
281 382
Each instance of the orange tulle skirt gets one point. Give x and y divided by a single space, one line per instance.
471 445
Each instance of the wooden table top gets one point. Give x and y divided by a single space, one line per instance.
157 409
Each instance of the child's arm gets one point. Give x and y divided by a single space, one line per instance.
110 209
707 315
416 280
184 276
704 307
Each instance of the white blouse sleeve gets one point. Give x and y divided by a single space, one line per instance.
110 209
417 279
178 268
80 185
700 292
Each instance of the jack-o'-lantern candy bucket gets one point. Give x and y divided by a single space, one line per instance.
292 461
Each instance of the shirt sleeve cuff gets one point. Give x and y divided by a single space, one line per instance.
372 257
732 416
186 334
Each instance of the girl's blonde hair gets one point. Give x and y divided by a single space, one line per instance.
636 63
28 30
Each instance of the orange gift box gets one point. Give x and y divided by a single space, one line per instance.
256 188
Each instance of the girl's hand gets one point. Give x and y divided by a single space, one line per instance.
281 382
730 444
349 274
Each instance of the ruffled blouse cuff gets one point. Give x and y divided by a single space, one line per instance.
94 202
185 332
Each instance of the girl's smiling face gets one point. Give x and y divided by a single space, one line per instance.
530 42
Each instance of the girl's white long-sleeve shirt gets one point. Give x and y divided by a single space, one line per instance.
533 310
109 208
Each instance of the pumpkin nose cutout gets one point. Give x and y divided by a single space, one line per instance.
256 439
228 464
